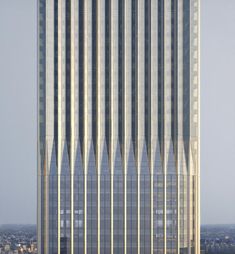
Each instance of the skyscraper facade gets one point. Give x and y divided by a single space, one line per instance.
118 127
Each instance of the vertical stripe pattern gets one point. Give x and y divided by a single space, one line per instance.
118 127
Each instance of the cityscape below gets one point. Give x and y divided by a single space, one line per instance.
15 239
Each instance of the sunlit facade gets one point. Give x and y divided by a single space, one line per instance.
118 127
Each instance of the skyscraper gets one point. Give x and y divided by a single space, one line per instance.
118 127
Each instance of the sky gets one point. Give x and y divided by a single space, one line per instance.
18 85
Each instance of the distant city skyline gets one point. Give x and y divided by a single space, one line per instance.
18 111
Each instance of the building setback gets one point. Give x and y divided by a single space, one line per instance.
118 127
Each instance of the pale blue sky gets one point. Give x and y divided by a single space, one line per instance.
18 111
